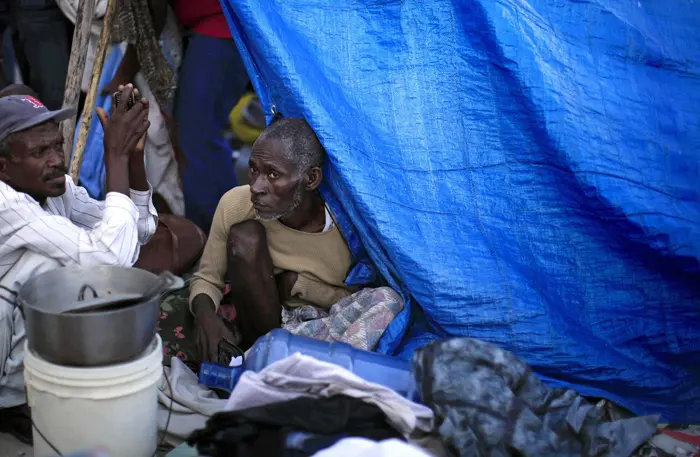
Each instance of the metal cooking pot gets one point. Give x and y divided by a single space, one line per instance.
97 337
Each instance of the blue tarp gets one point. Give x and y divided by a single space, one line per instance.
525 172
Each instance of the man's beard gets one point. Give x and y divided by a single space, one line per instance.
296 201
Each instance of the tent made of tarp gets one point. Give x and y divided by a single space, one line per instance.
524 172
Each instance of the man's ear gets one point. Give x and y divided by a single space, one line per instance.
4 163
314 178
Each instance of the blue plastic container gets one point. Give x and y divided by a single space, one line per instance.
279 344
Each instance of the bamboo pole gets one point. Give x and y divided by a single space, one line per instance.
89 109
76 68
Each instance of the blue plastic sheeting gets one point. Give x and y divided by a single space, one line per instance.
527 172
92 172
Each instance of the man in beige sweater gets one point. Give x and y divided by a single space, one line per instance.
276 244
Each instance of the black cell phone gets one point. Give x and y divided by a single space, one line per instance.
227 351
131 101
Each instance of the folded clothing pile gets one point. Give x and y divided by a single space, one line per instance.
479 400
300 405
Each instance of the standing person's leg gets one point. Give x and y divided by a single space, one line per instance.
45 37
212 79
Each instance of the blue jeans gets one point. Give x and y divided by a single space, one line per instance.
45 37
212 80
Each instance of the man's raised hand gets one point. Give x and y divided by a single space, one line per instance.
126 128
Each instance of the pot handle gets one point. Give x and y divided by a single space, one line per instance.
166 282
85 288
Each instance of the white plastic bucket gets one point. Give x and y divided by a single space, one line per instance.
79 409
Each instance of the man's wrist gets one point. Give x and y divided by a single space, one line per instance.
117 175
137 157
118 160
203 305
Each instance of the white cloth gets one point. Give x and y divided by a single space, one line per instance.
329 221
70 9
362 447
299 375
192 404
72 229
161 167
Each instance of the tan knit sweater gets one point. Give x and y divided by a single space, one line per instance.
321 259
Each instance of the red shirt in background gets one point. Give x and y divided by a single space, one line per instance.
202 16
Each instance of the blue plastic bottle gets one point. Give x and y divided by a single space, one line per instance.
279 344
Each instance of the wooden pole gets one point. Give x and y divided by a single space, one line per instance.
89 109
76 68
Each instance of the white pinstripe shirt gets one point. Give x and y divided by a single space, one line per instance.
72 229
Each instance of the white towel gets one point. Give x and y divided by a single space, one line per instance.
361 447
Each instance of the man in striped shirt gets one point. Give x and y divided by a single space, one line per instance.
47 221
